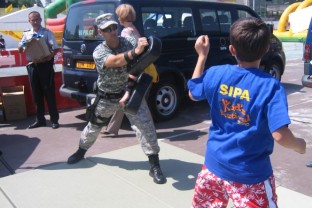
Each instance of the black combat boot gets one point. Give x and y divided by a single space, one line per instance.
77 156
155 170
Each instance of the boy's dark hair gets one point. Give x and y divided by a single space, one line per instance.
251 38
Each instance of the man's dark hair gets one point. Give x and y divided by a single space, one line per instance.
34 12
251 38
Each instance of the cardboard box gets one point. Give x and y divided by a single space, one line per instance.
37 48
14 103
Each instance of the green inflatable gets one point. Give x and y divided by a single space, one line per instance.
57 7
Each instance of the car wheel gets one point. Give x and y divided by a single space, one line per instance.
275 70
164 100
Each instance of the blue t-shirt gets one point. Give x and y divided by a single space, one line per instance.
247 106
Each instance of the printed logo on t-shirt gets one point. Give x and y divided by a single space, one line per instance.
234 111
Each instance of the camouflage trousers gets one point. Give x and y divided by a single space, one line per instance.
142 124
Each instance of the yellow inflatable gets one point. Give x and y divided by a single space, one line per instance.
289 36
17 35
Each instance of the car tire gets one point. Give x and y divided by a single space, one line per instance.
274 69
164 100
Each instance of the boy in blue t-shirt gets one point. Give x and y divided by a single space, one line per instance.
248 112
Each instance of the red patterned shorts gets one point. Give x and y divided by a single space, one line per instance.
213 192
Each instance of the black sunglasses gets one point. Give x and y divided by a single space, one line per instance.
110 29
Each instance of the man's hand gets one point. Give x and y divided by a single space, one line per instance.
124 99
20 49
126 96
142 43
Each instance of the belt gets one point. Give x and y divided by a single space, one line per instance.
106 95
42 62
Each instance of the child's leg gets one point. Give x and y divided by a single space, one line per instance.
209 191
253 195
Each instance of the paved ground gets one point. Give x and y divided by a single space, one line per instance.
115 173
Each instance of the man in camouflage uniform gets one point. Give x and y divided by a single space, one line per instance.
111 58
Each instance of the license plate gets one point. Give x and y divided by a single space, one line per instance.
85 65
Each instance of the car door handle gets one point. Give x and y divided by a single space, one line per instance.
191 38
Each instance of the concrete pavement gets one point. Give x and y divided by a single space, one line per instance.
116 179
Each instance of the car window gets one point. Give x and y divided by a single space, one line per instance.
209 22
242 13
80 23
218 21
225 21
166 22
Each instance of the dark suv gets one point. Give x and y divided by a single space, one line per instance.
307 58
177 23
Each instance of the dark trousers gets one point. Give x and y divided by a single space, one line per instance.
41 77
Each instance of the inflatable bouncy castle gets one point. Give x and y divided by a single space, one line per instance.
52 22
300 10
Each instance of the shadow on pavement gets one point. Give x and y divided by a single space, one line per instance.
181 135
77 126
292 88
83 164
16 149
183 173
